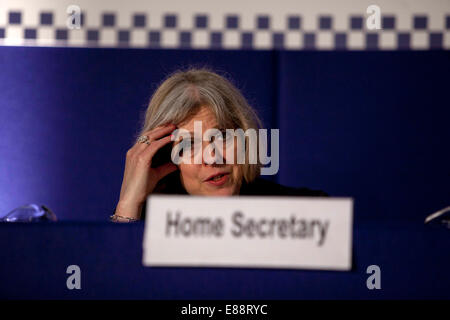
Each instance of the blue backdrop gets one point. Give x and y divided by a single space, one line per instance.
370 125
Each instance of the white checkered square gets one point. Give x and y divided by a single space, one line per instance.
185 22
123 21
138 38
231 39
45 36
387 40
94 19
169 38
446 40
325 40
3 17
76 37
419 40
14 35
293 40
356 40
227 29
262 39
30 18
200 39
108 37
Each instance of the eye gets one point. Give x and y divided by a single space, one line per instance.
227 138
221 136
184 143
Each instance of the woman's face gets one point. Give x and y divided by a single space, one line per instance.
195 177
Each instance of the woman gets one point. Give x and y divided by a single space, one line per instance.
181 100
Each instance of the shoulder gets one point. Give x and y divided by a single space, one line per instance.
262 186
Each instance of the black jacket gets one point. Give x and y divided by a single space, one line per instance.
261 187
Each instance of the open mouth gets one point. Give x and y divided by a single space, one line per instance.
218 179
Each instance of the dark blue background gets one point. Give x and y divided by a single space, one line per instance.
369 125
413 261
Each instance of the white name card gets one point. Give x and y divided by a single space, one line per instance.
249 231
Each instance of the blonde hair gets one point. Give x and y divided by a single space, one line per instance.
182 93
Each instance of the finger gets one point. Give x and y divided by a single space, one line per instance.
140 146
161 132
152 135
149 152
165 169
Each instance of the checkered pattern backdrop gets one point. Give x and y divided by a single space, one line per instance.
103 29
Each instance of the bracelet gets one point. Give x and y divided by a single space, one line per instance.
116 218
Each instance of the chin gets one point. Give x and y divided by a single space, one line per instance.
221 192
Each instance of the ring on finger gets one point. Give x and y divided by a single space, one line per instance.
144 139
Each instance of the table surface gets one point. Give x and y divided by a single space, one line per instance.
414 260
